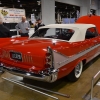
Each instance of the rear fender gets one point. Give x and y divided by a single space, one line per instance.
83 61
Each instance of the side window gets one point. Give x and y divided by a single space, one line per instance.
50 32
91 33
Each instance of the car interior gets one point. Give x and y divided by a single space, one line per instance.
64 34
58 33
91 33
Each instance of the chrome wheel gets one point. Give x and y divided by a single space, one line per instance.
78 70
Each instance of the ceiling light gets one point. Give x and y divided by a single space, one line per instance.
0 3
20 5
39 2
32 9
66 7
73 7
18 1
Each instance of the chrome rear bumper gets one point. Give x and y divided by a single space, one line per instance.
47 78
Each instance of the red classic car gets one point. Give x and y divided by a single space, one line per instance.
52 52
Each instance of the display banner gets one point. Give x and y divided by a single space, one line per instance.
33 20
11 15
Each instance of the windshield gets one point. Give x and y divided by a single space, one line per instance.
57 33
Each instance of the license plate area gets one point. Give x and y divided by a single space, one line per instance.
16 56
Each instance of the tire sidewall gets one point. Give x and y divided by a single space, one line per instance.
72 77
80 64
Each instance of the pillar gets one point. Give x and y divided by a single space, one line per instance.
48 11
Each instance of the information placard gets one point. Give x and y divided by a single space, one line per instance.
11 15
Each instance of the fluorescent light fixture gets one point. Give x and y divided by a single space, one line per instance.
66 7
39 2
32 9
18 1
20 5
0 3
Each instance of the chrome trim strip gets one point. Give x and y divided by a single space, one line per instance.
74 54
27 58
67 59
35 38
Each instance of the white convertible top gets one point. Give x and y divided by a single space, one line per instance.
80 26
80 30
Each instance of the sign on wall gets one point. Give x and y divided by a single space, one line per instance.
33 20
11 15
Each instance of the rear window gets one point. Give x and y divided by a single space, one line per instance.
57 33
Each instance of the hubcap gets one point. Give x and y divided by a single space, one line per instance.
78 70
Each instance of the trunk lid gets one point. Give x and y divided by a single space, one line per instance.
33 52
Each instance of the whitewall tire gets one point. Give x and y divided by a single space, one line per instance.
76 73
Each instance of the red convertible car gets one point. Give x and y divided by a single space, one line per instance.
52 52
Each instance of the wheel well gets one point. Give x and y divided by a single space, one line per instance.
84 61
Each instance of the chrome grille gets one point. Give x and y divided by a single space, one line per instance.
27 58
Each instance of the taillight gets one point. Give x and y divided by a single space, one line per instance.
49 58
0 52
48 54
47 65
